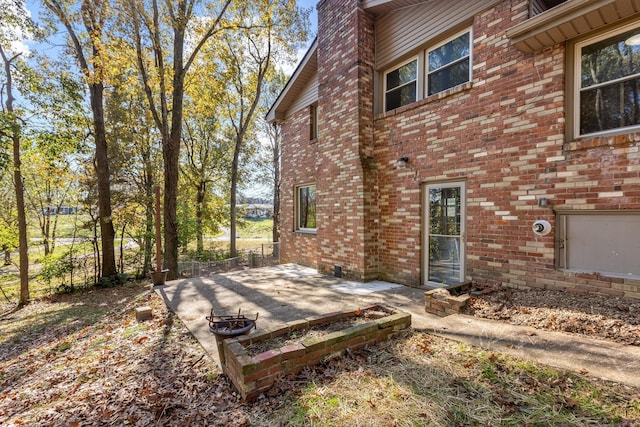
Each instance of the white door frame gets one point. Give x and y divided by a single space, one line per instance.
461 238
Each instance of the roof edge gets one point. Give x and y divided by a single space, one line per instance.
276 113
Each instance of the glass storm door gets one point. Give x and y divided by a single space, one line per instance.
444 233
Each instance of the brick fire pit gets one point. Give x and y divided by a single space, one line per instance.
254 374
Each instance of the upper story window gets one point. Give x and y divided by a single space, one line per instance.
306 208
449 64
607 82
436 69
537 7
401 85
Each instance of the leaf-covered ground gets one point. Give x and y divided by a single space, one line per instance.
597 316
83 360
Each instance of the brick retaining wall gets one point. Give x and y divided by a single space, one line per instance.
253 375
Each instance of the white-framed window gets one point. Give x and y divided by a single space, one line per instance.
306 208
435 69
401 85
607 82
449 63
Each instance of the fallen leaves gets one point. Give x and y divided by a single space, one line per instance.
110 370
62 365
596 316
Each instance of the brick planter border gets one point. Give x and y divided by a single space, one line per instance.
442 303
252 375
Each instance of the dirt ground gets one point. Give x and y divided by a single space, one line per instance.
596 316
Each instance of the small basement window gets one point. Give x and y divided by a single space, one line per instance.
606 242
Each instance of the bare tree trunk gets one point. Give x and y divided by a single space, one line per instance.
234 196
171 156
149 207
107 232
17 182
47 221
7 255
124 226
199 226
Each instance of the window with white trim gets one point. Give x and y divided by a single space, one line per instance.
401 85
449 64
306 208
607 82
439 67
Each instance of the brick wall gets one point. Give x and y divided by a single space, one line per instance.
253 375
299 164
503 134
346 175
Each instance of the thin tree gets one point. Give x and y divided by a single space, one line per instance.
204 166
13 132
270 162
16 25
166 98
270 31
91 55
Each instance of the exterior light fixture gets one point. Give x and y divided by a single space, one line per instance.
634 40
543 202
403 161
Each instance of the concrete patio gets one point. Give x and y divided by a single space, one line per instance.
288 292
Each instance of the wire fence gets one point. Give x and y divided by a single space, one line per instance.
268 254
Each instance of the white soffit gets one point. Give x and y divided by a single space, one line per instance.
307 67
569 20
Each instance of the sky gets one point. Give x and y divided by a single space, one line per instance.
314 24
314 14
33 7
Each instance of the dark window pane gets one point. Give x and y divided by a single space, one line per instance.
444 260
307 207
448 77
610 107
402 75
444 214
609 59
401 96
449 52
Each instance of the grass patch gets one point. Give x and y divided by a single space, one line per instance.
82 359
423 380
67 226
132 330
259 229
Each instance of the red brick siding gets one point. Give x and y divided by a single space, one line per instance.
504 134
299 164
347 212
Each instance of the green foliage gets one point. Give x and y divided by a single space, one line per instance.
8 235
186 223
260 229
57 267
113 281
